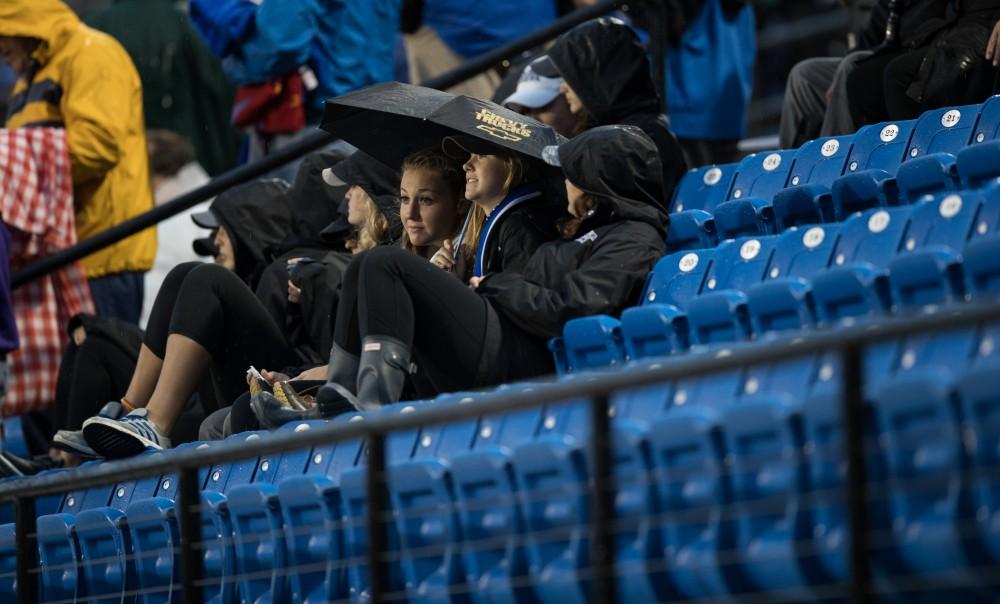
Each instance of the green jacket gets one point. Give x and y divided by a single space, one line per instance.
184 88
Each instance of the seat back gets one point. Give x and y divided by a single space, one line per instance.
988 127
310 508
593 342
949 220
820 161
738 264
677 278
803 251
948 129
873 237
762 174
703 188
880 146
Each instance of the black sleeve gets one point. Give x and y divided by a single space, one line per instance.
606 282
519 238
874 34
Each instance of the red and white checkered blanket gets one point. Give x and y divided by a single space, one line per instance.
36 202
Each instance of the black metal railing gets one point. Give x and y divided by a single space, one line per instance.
296 150
847 342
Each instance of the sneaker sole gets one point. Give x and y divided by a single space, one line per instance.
108 438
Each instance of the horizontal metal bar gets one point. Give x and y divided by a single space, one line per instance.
505 401
291 152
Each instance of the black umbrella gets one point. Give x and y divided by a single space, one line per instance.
390 121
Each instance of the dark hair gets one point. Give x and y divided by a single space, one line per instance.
168 152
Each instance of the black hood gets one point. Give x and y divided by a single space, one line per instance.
604 62
378 180
619 167
257 216
314 203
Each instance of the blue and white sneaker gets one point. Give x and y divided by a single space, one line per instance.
125 437
72 441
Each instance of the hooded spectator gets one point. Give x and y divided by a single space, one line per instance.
607 78
73 76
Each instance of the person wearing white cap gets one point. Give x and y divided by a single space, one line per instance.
539 97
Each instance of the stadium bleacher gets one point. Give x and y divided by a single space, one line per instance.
727 485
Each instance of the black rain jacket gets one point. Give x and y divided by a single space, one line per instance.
604 62
600 270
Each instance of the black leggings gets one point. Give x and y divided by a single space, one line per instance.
213 307
390 292
877 87
90 375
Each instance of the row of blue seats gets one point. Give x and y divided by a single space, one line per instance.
876 147
916 181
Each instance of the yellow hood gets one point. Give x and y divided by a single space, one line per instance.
50 21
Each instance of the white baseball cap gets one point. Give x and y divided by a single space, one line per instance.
533 90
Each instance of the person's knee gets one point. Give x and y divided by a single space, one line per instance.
208 275
385 258
178 274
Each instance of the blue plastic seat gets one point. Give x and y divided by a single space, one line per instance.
8 561
989 211
691 230
737 264
979 164
981 267
873 237
802 205
922 178
747 217
861 191
778 308
693 484
980 405
948 129
220 553
988 126
931 277
719 317
259 542
803 251
949 221
152 525
593 342
310 507
654 330
58 557
703 188
643 405
880 146
764 439
921 435
677 278
105 554
762 174
820 161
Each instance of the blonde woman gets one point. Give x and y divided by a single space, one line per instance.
432 201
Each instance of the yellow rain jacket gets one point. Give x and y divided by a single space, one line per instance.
87 83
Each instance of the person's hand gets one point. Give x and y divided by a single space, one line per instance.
314 374
993 46
79 335
445 257
274 376
475 281
294 293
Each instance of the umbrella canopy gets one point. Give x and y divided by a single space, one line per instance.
390 121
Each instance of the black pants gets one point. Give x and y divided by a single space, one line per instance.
90 375
213 307
390 292
877 87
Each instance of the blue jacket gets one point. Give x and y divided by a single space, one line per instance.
348 44
710 74
471 28
8 328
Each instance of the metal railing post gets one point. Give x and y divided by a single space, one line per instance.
856 485
378 510
26 539
189 519
602 539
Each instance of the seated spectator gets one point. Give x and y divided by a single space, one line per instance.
606 80
175 172
206 317
83 80
541 98
496 330
816 102
510 216
433 208
943 63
